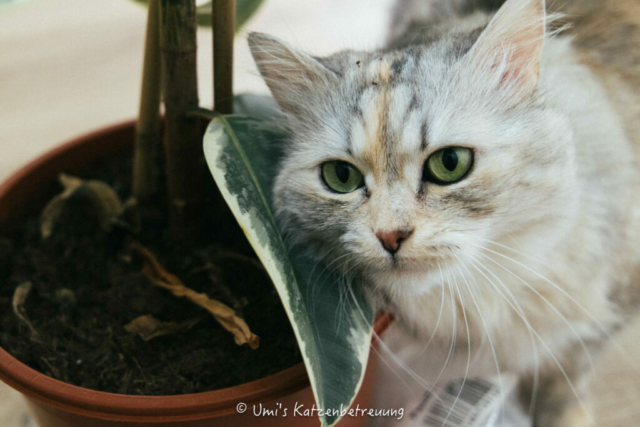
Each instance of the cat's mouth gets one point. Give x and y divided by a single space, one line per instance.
399 264
405 263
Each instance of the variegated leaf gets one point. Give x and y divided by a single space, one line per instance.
331 319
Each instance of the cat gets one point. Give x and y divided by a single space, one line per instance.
479 177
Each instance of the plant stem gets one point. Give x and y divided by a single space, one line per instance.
183 138
224 17
145 167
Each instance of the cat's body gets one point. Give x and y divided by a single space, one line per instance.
592 74
531 259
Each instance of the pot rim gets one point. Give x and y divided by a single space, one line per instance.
85 401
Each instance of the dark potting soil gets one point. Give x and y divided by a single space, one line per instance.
86 286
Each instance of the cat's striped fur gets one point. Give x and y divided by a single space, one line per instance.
532 261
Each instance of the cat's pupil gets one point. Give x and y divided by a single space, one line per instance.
450 159
342 172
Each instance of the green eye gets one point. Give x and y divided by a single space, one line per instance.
342 177
448 165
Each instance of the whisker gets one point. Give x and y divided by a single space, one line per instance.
346 285
603 329
534 346
484 324
435 329
466 373
414 376
564 319
310 288
551 354
320 276
453 336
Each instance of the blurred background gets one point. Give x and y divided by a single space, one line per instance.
72 66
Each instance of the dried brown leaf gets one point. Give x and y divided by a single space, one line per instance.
214 273
19 299
148 327
106 204
225 315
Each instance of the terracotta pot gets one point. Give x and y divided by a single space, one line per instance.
58 404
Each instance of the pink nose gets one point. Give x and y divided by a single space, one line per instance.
391 240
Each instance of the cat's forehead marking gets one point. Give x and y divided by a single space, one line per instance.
369 127
379 71
388 129
371 148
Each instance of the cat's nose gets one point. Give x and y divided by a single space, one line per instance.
391 240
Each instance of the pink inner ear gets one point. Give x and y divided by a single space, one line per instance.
523 65
515 35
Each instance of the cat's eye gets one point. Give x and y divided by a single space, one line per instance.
342 177
448 165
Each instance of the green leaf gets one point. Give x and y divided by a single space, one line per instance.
331 319
245 9
5 4
258 106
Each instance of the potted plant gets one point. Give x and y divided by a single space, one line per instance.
92 277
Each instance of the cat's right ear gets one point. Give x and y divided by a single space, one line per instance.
295 78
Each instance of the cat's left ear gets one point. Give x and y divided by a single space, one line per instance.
511 45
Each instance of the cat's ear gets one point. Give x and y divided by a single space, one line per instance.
295 78
512 44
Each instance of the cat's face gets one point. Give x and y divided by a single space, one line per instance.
402 164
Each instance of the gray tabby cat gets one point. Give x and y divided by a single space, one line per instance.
480 176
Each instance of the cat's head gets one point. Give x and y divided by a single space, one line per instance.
402 163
